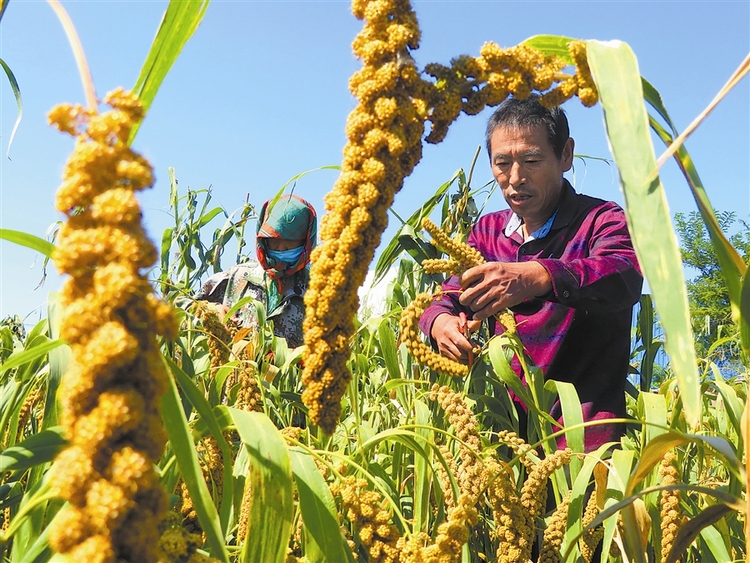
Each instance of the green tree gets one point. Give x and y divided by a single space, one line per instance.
707 290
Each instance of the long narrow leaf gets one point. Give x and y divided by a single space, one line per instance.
395 247
690 530
37 448
206 413
16 92
21 358
615 71
180 21
270 480
318 508
733 267
181 439
30 241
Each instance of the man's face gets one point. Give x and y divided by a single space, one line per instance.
528 171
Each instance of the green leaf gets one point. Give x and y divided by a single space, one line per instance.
270 480
499 350
745 315
551 45
206 218
318 508
423 469
395 246
21 358
716 542
181 439
37 448
732 265
573 416
615 71
178 24
203 408
387 340
652 409
655 449
30 241
13 86
690 530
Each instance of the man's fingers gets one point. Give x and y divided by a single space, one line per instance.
488 311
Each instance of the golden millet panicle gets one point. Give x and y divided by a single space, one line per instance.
444 476
590 538
219 337
460 252
670 504
453 533
410 335
534 490
554 533
519 446
110 394
466 428
514 525
384 144
440 266
363 508
177 545
24 413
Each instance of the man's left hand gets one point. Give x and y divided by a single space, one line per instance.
494 286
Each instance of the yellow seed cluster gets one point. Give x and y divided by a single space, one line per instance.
444 478
177 545
451 534
187 510
470 84
670 504
463 257
24 413
460 252
410 335
554 534
507 319
217 333
440 266
212 467
364 510
384 143
249 397
110 395
591 538
519 447
534 490
245 508
466 428
514 525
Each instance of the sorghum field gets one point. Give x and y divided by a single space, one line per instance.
133 430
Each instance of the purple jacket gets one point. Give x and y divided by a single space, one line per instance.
580 331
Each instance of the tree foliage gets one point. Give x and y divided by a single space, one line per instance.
707 289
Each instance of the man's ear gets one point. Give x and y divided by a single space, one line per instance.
566 159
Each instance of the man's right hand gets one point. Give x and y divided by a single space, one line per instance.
449 332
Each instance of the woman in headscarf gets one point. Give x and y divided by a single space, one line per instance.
285 237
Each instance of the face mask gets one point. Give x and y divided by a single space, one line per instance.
288 257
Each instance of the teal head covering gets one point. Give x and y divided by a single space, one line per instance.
287 217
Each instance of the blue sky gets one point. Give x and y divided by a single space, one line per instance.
260 94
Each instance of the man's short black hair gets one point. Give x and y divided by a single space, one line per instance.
515 113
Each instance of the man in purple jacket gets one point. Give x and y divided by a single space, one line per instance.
562 261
